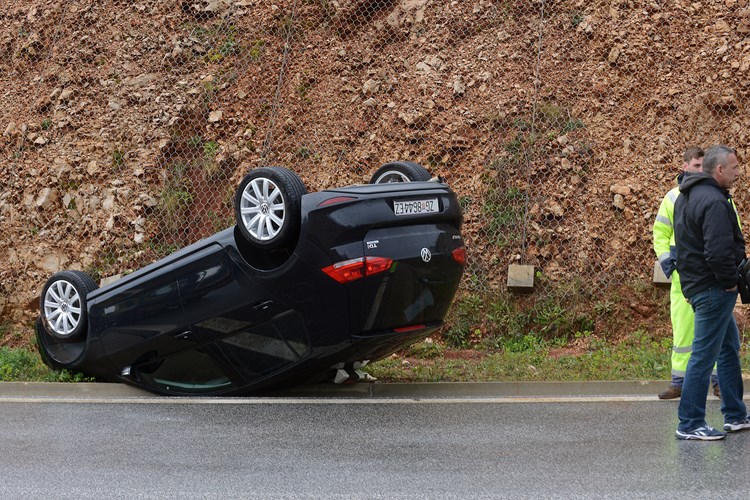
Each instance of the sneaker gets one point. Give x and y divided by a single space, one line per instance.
672 393
717 392
705 433
738 425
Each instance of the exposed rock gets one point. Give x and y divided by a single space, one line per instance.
619 189
459 88
614 55
619 202
141 81
371 87
53 263
65 95
10 129
46 198
92 168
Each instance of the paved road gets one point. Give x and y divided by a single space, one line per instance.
488 447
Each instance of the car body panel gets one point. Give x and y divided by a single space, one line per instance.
221 317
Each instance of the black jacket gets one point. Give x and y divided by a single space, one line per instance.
709 241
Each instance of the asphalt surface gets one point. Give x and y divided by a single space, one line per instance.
476 440
364 440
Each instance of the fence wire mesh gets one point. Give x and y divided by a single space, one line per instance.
560 124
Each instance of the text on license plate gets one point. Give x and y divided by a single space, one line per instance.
415 207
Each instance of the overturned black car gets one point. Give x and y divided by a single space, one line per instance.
305 286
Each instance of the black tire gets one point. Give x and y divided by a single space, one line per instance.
42 338
267 207
400 171
63 303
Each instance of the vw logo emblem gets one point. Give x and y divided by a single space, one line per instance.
426 255
264 209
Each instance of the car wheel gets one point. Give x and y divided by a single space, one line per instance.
63 305
42 336
400 171
267 207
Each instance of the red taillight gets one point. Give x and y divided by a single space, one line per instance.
337 199
354 269
459 255
409 328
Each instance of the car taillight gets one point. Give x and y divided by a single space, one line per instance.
354 269
459 255
409 328
337 199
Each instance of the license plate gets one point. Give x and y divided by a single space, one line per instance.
415 207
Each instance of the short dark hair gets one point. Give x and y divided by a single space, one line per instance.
693 153
716 155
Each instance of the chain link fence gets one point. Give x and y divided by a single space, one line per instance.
126 127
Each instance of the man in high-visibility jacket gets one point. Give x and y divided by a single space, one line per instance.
680 311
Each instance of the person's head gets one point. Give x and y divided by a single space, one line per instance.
693 159
720 162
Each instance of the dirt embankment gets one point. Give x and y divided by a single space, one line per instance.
560 124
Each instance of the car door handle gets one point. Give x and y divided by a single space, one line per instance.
263 305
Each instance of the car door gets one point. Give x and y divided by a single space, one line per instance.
230 313
135 315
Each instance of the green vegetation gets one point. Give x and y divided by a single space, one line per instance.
174 199
208 162
536 345
636 358
531 358
210 90
556 119
104 264
303 152
577 19
504 209
560 313
161 249
46 124
210 149
256 50
284 26
24 365
218 221
304 86
564 333
118 158
195 141
572 124
223 46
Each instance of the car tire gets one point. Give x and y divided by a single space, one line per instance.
63 303
42 339
267 207
400 171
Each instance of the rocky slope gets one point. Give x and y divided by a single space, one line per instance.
560 124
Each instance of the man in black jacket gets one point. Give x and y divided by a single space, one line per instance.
710 246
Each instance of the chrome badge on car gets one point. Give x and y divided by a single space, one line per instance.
426 255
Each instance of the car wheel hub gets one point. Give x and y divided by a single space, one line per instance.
262 208
62 308
391 176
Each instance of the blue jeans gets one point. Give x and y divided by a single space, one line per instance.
716 340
